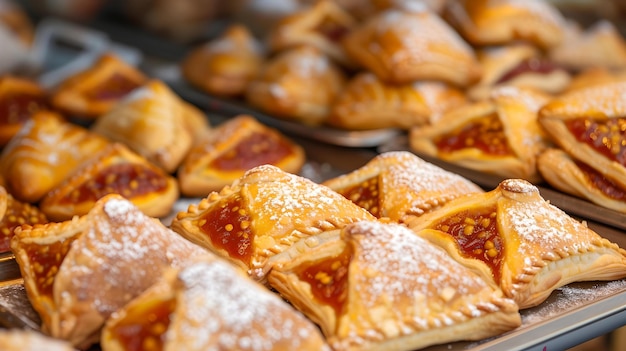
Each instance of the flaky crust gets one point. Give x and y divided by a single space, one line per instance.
21 98
30 340
14 213
543 248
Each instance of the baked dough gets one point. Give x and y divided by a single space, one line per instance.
399 185
589 77
235 146
79 272
43 153
19 99
499 136
402 46
263 213
369 103
30 340
115 170
381 287
225 65
14 213
97 89
210 305
297 84
527 246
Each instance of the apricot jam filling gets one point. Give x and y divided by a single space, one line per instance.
17 213
115 87
128 180
600 182
531 65
45 262
485 134
144 328
17 108
228 225
329 279
606 137
477 237
365 195
255 150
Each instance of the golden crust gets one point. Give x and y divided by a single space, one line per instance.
14 213
30 340
19 99
594 76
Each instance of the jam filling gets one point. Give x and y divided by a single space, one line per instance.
331 30
531 65
16 214
128 180
17 108
228 226
255 150
477 237
114 88
485 134
365 195
329 280
600 182
144 328
606 137
45 263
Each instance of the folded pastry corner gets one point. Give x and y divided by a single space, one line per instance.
14 213
20 98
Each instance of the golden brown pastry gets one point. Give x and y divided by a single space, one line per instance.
210 305
499 136
594 76
97 89
19 99
233 148
399 185
225 65
381 287
486 22
14 213
526 245
322 25
263 213
298 84
79 272
403 46
153 122
30 340
369 103
43 153
115 170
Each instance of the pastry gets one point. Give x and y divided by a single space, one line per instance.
499 136
97 89
589 77
115 170
589 125
30 340
43 153
263 213
527 246
225 65
521 65
19 99
369 103
210 305
486 22
234 147
297 84
79 272
14 213
402 46
381 287
399 185
322 25
153 122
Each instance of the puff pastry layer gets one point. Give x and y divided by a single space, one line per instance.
29 340
20 98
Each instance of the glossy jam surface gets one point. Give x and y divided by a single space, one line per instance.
605 185
17 213
114 88
257 149
365 195
128 180
485 134
17 108
606 137
532 65
329 279
144 328
45 262
477 237
228 226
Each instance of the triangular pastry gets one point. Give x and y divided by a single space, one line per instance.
210 305
499 136
224 65
79 272
97 89
403 46
14 213
399 185
369 103
527 246
322 25
264 213
381 287
234 147
154 122
297 84
115 170
43 153
20 98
